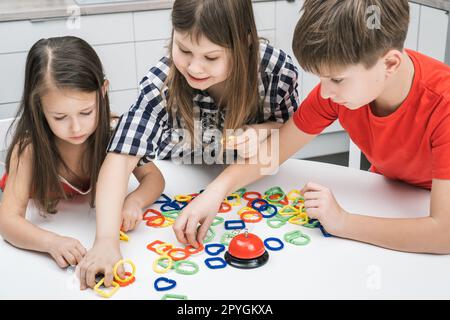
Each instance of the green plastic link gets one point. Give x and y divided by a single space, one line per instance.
178 265
164 263
168 296
209 235
314 224
294 237
171 214
276 222
217 221
275 191
228 236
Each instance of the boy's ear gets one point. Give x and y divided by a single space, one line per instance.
105 86
392 61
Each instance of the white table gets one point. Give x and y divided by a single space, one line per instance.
327 268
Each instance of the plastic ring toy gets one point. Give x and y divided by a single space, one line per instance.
174 297
209 263
164 270
273 239
249 216
260 207
150 211
103 293
173 251
270 215
294 237
192 250
179 269
183 198
251 195
130 277
225 207
234 224
220 248
172 284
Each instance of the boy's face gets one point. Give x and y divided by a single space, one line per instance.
202 63
70 114
354 86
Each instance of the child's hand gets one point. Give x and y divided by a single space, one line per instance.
100 259
248 142
203 210
131 215
66 251
320 204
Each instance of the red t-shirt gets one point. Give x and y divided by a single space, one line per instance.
413 143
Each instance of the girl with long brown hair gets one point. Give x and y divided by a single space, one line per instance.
217 77
61 133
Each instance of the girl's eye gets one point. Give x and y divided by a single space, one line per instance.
60 118
337 80
185 52
86 113
211 59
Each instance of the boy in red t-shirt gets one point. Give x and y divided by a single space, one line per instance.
395 105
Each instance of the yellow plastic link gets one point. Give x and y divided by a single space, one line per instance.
116 276
124 236
103 293
167 268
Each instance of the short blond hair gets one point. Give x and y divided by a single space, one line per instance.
334 34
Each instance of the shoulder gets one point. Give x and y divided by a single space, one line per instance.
275 61
157 75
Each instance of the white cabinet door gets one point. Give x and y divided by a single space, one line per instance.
119 63
152 25
148 54
264 15
412 38
12 68
433 32
121 101
19 36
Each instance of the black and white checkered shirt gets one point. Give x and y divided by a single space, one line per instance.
148 131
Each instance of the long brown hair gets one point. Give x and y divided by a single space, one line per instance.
70 63
229 24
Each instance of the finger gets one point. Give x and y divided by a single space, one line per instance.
313 213
70 258
311 204
311 195
191 231
203 229
77 255
62 263
82 250
109 277
179 227
126 224
121 272
82 275
91 272
312 186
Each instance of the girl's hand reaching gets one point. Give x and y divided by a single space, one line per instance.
100 259
66 251
132 215
202 210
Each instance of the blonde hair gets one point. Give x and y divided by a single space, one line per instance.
334 34
229 24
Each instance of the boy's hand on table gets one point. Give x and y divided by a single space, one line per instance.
100 259
203 210
66 251
320 204
131 215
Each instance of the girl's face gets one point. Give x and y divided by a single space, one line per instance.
71 114
203 63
